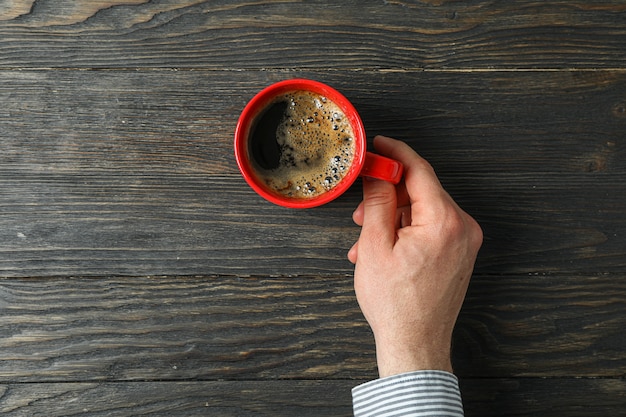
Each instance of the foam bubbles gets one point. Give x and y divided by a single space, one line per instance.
316 144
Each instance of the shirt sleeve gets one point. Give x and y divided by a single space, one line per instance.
413 394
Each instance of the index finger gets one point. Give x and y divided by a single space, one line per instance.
423 189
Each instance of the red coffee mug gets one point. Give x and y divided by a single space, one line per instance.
365 163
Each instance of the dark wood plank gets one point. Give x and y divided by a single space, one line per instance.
132 173
130 225
542 326
71 329
544 397
181 399
492 397
306 327
313 34
162 121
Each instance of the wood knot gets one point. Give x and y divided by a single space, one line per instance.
595 164
619 110
599 161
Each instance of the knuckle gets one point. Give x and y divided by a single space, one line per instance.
380 195
460 226
477 234
378 199
453 224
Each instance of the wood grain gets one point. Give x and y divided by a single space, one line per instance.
543 397
314 34
132 173
135 225
542 326
492 398
73 329
157 121
166 398
139 275
306 327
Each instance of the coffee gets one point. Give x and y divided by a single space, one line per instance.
301 145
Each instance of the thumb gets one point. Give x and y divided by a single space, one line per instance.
379 206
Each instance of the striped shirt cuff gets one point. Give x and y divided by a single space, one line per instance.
415 394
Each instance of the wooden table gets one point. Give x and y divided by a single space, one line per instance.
140 275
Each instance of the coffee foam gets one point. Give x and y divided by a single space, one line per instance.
317 146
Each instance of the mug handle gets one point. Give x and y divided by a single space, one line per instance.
382 168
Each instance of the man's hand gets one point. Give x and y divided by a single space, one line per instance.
414 259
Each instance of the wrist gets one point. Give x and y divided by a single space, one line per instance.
393 360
